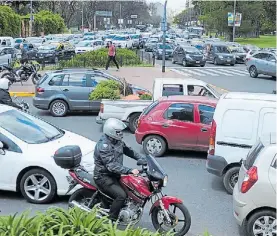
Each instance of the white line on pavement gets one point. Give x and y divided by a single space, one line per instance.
211 67
232 72
193 72
240 71
180 72
222 73
206 72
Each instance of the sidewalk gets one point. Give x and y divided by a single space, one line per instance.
140 76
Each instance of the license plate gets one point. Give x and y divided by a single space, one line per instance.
40 57
228 60
197 61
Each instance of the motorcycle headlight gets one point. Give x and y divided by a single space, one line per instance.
165 181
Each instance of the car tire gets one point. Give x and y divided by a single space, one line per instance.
259 216
56 105
230 178
232 64
253 72
133 122
215 62
184 63
172 60
154 139
33 179
202 65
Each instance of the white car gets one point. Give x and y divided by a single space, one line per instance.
254 196
88 45
27 147
123 41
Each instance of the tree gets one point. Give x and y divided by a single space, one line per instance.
9 22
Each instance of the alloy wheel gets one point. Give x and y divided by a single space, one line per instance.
37 187
154 146
234 179
59 108
265 226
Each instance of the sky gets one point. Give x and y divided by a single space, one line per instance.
175 5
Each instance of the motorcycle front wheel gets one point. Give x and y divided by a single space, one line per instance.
81 198
181 218
36 78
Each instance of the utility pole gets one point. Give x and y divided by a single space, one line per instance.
234 21
164 28
120 15
31 18
83 17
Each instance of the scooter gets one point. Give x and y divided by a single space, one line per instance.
146 186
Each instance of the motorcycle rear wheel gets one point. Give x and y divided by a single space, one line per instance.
186 220
82 196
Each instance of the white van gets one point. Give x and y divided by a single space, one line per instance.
240 119
6 42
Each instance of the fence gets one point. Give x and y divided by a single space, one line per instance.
146 57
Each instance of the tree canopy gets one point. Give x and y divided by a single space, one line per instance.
9 22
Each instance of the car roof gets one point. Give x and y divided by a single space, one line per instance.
192 99
250 96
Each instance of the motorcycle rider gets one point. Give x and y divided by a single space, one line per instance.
108 160
5 97
24 55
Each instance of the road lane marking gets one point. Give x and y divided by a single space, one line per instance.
240 71
180 72
220 72
233 72
192 72
206 72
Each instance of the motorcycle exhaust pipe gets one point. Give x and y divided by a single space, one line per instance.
76 204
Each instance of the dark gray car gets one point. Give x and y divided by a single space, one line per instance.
69 89
219 54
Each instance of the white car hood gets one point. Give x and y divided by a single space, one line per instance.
119 41
83 48
87 147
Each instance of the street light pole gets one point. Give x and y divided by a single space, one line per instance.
83 16
234 21
31 19
164 28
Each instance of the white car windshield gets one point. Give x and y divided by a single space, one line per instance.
28 128
84 44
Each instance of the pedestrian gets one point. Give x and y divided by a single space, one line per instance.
111 56
24 55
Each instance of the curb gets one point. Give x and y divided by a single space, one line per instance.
22 94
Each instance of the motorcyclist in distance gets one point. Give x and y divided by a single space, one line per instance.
108 160
5 97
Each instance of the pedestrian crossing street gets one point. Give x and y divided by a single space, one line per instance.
210 71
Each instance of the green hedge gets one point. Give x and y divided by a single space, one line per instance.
10 22
60 222
98 58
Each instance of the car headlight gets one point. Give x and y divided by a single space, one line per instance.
188 57
221 57
165 181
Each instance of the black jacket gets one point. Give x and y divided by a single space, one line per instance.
6 99
108 158
24 54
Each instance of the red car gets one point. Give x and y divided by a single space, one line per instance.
176 122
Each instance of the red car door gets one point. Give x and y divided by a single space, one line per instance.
204 118
179 126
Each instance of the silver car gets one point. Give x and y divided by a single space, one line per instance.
262 62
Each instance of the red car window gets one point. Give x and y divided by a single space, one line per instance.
180 111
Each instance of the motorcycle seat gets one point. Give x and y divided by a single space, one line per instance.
85 177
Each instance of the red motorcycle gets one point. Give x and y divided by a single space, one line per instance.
147 186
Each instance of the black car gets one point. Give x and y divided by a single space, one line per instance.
219 54
239 53
158 51
188 56
30 48
52 53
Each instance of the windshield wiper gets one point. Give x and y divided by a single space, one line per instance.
54 137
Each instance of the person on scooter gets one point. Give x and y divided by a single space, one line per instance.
5 97
24 55
108 160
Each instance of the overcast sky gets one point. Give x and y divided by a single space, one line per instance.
176 5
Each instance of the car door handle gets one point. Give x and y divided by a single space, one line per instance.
66 90
165 125
204 130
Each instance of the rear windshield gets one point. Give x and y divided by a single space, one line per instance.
172 89
150 108
253 154
43 78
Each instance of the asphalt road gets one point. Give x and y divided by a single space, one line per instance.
210 206
232 78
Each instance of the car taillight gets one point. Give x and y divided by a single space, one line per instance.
212 138
40 90
250 179
102 108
